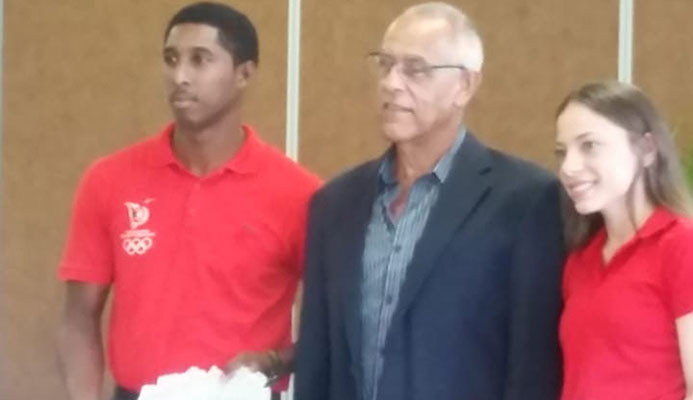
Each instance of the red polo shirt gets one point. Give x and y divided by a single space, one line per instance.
618 329
201 268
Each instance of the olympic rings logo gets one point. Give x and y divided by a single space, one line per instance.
135 245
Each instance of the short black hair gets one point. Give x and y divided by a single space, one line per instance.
236 33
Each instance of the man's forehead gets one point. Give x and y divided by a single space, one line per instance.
192 35
416 36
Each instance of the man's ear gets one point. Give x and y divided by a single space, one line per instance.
245 73
469 84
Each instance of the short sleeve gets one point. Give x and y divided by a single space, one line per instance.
300 222
678 271
88 255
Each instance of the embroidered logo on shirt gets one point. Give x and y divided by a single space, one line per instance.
137 241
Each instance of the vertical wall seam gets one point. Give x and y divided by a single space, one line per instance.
293 82
293 78
625 41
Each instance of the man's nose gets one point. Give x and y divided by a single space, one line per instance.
393 79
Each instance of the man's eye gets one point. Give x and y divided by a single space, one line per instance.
197 59
415 69
170 59
385 63
200 59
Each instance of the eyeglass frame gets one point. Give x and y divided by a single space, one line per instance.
429 68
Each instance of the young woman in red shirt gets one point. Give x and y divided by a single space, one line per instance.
627 327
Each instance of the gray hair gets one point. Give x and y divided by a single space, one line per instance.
466 38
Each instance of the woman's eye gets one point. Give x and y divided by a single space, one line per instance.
588 146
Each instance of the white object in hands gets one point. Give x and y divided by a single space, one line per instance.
198 384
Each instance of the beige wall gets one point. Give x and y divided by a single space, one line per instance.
663 61
536 50
83 79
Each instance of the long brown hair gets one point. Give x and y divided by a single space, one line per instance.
628 107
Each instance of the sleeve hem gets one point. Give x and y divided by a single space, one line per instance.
68 273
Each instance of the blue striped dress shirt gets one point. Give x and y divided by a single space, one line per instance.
388 250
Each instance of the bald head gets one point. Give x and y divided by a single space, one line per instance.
441 19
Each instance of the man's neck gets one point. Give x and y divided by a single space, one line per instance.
417 158
203 150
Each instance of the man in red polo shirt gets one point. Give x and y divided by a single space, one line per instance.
198 231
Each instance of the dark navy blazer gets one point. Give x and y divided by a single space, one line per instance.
478 311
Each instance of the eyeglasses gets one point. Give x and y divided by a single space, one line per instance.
411 67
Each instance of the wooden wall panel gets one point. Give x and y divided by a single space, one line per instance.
536 51
83 78
663 66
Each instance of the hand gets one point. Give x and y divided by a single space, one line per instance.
265 361
273 363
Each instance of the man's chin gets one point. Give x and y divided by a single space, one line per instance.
397 135
187 120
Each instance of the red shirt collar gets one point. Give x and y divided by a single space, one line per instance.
660 220
242 162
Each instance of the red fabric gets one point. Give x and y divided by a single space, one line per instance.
618 329
201 268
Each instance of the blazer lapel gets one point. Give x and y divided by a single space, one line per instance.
465 186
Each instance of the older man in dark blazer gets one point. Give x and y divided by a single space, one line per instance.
433 272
